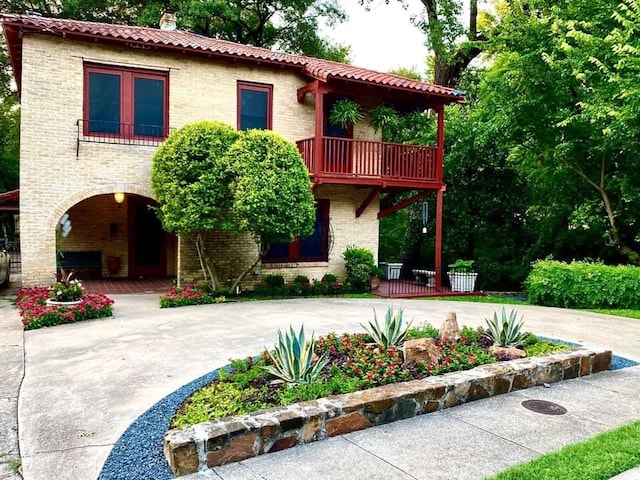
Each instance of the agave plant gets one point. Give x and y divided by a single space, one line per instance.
505 331
390 333
293 358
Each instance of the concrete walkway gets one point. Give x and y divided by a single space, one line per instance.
85 383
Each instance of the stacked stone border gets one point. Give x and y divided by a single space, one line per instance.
206 445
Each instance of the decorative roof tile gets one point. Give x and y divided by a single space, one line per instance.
323 70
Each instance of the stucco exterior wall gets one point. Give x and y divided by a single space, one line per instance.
56 172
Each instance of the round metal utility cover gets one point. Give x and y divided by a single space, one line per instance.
542 406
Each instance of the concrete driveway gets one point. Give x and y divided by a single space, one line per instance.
85 383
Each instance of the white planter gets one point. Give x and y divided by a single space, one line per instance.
462 282
50 301
391 270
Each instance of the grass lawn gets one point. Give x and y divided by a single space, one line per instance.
480 299
599 458
619 313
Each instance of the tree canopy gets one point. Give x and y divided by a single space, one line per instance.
190 178
208 176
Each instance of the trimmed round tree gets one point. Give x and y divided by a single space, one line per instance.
190 179
272 199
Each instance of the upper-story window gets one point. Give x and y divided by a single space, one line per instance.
254 105
125 102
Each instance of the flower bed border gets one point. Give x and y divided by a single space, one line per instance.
233 439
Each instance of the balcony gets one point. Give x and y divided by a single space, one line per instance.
371 163
120 133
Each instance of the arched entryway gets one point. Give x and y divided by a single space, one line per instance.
116 240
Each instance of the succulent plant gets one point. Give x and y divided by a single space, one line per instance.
391 332
507 330
293 358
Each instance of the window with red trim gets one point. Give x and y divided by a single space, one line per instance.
125 102
255 106
310 249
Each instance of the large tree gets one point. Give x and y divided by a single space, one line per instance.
564 86
190 179
288 25
454 41
272 199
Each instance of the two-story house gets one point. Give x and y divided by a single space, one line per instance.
97 99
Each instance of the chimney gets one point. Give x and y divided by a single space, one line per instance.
168 21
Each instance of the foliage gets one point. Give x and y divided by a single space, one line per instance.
31 302
360 266
293 358
353 362
544 347
286 25
9 128
194 294
345 112
583 285
601 457
391 332
425 330
453 44
230 399
271 191
461 266
66 289
190 180
561 89
505 331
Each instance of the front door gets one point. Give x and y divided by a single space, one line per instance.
147 240
336 150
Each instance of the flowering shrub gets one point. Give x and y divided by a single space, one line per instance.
31 301
66 291
188 295
272 287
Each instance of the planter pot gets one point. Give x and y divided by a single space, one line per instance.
375 283
50 301
391 270
462 282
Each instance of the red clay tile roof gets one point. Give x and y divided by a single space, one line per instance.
324 70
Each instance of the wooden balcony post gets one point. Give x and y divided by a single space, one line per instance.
319 133
440 146
438 245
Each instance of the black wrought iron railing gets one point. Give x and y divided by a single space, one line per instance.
120 133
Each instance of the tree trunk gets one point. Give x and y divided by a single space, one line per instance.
262 251
206 265
616 240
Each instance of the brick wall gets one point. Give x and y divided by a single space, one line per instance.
55 176
231 254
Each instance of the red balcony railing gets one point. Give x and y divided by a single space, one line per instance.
345 157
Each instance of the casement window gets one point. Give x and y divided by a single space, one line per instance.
125 102
310 249
255 102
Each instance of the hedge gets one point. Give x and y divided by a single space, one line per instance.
583 285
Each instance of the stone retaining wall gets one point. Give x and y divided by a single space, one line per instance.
207 445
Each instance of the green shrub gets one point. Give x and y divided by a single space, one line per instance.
272 286
505 331
391 332
292 358
583 285
360 266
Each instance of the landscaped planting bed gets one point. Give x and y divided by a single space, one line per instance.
37 313
353 382
232 439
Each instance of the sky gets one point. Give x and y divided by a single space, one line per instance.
383 38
